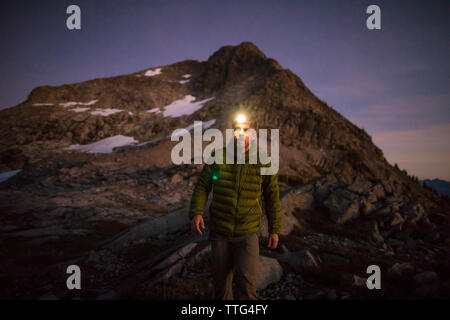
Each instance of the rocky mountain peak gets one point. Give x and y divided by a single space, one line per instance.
232 64
245 51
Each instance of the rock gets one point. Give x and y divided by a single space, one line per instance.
202 253
299 259
375 232
387 185
151 229
414 212
75 171
171 198
395 242
175 256
61 201
58 212
324 185
343 206
383 211
270 271
400 269
166 274
176 178
284 249
378 191
333 259
426 277
299 197
361 187
353 280
396 219
368 206
52 231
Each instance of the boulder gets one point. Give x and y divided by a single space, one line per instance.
298 197
396 219
375 232
324 185
414 212
175 256
378 191
426 277
270 271
353 280
299 259
400 269
368 206
151 229
361 187
343 206
176 178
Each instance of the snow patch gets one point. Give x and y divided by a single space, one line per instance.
8 174
157 110
105 145
105 112
183 81
184 106
79 109
187 75
74 103
151 73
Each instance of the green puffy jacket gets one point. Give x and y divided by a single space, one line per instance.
237 194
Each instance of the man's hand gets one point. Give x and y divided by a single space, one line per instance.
196 222
273 241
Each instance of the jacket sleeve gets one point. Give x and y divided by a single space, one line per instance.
272 202
201 192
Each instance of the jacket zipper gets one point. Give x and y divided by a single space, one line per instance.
237 189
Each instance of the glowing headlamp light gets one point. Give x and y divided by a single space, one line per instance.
241 119
241 122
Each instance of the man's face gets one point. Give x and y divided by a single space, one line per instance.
245 133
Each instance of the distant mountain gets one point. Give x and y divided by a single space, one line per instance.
441 186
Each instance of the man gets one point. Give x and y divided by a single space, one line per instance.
235 215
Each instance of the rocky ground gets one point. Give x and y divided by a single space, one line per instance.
127 229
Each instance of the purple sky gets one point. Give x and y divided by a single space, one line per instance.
393 82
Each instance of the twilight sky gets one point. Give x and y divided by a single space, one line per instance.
392 82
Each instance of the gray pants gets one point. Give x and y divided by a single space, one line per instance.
238 256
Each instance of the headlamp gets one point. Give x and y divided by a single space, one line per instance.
241 122
241 118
